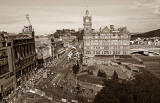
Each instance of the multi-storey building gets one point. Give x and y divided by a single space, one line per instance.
107 42
68 41
6 67
43 50
17 59
23 54
57 47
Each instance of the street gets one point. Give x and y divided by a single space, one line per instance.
56 83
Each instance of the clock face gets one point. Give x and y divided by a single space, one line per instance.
87 20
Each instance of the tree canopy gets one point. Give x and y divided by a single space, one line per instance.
145 88
101 73
75 68
115 75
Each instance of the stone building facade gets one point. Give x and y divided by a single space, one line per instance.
6 67
68 41
17 60
43 50
23 54
57 47
107 42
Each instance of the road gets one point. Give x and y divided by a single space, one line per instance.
60 83
52 85
56 73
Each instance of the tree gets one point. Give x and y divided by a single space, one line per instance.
75 68
101 73
81 58
145 88
115 75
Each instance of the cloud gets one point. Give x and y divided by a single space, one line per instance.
151 4
157 11
49 15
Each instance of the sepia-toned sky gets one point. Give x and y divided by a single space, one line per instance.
48 15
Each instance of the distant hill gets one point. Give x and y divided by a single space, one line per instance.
153 33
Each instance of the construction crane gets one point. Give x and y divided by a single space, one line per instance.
28 19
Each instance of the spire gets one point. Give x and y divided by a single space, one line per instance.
87 12
28 19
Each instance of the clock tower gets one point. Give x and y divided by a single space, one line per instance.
87 23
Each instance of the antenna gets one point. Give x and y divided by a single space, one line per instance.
28 19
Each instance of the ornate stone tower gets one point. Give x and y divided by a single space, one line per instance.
87 23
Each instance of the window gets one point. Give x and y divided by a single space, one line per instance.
98 52
4 44
97 47
9 43
118 52
4 69
102 47
11 74
114 53
88 52
3 53
106 47
106 52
